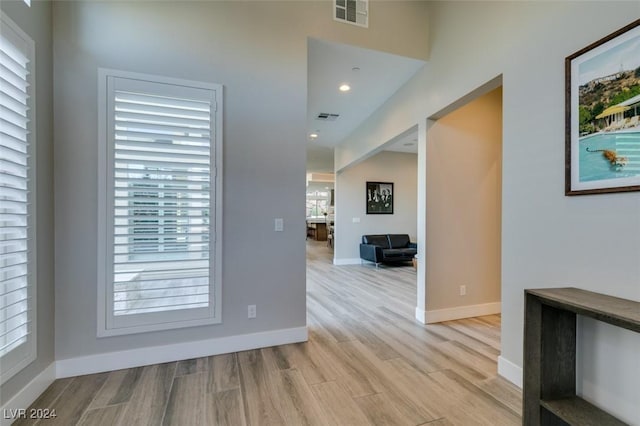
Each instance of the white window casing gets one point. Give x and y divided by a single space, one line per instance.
160 203
17 200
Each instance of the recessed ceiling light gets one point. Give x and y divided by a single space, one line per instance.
313 135
345 88
355 69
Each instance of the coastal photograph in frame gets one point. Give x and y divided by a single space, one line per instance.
603 115
379 197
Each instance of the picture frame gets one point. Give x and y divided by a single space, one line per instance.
602 115
379 197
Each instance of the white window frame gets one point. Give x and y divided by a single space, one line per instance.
160 320
20 357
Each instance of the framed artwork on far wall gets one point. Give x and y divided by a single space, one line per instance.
379 197
602 115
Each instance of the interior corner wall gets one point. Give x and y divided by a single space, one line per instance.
396 167
548 239
36 22
464 151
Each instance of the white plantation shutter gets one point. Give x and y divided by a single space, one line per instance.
17 237
161 202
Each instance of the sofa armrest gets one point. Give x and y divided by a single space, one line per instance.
413 245
371 253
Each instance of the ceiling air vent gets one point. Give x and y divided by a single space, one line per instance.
325 116
355 12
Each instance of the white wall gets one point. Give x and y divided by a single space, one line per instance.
36 22
464 150
257 50
548 240
396 167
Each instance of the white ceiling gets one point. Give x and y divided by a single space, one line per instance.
404 143
330 64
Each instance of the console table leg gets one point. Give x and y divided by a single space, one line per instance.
549 357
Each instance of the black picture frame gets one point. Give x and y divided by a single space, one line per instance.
379 197
602 115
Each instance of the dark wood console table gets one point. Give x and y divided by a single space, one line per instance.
549 392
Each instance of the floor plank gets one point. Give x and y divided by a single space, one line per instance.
107 416
149 399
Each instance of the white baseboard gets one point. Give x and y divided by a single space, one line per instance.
421 315
461 312
354 261
510 371
28 394
177 351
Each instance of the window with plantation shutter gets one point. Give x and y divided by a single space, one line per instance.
355 12
17 206
160 204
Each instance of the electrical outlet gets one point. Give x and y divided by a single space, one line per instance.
463 290
251 311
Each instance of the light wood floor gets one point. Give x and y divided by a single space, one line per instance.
367 362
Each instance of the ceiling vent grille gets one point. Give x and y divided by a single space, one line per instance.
325 116
355 12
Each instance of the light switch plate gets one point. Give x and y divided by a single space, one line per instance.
279 224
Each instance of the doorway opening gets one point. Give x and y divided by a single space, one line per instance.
461 275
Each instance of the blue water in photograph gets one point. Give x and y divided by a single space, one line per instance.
595 166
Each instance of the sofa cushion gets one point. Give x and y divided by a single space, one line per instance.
376 240
399 253
398 240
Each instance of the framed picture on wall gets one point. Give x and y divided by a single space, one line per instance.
602 113
379 197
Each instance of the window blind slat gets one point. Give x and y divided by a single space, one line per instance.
146 136
9 168
120 258
165 233
166 130
16 107
12 324
13 129
176 157
18 94
10 76
13 118
124 172
123 97
168 265
16 67
153 284
158 226
11 342
143 116
146 146
166 168
160 111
